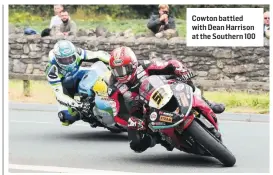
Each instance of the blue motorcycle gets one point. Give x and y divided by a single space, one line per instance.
92 90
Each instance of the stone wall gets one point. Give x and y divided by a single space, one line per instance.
242 68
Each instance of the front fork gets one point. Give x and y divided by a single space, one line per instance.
207 124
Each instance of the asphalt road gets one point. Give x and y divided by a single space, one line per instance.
38 143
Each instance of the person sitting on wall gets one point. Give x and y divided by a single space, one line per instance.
162 24
266 24
56 20
68 27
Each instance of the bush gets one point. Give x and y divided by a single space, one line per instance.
116 11
24 17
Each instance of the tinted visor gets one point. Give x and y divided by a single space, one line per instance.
67 60
122 71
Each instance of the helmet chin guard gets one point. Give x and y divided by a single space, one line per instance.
123 63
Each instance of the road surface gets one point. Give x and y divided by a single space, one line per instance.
39 143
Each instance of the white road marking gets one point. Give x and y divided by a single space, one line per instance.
61 169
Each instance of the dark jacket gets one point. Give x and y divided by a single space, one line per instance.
154 23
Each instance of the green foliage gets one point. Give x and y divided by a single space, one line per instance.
23 17
36 10
117 11
137 25
115 18
259 102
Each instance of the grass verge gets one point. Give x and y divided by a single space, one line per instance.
239 102
138 26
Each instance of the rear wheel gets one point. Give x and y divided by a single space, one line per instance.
206 140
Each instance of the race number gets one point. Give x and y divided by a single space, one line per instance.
158 96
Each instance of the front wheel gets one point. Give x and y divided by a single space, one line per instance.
115 131
217 149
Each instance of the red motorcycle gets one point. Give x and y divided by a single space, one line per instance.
170 116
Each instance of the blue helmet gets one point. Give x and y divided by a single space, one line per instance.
65 54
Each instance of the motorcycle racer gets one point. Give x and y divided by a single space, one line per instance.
127 75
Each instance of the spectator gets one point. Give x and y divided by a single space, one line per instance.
56 20
162 24
68 27
266 24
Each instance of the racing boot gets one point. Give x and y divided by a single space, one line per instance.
68 117
217 108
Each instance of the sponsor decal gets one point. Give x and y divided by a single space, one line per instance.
118 62
167 119
131 123
165 113
106 98
153 116
158 123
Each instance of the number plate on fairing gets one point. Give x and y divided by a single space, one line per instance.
161 96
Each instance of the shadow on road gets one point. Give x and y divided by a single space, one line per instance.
105 136
177 159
